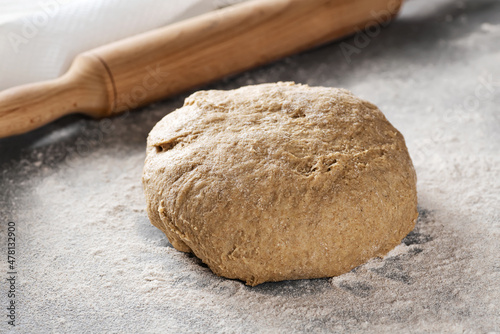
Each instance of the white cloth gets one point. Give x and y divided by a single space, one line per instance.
40 38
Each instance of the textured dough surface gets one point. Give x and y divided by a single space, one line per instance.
279 181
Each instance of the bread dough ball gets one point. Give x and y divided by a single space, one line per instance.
280 181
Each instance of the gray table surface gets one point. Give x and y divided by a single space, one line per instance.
89 261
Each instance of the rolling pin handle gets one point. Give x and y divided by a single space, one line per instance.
85 88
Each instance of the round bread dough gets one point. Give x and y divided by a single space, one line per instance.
280 181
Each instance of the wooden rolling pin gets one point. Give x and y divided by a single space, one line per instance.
166 61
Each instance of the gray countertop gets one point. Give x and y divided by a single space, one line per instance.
88 260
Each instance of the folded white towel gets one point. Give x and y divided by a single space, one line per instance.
40 38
